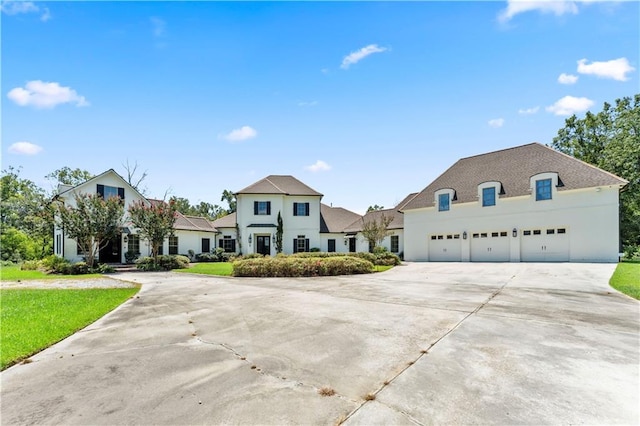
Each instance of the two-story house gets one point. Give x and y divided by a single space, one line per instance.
523 204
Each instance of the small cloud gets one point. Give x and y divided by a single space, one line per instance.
324 70
25 148
529 111
41 94
307 104
567 78
319 166
558 8
496 122
11 7
615 69
242 134
357 56
159 26
569 105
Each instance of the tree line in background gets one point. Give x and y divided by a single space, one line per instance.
609 140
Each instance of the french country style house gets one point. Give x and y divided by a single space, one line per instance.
524 204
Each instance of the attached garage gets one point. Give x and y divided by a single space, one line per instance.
445 248
545 245
490 246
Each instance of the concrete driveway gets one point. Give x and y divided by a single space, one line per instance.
429 343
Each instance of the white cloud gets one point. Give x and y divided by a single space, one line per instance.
319 166
357 56
567 78
496 122
515 7
242 134
529 111
307 104
159 26
41 94
569 105
11 7
25 148
615 69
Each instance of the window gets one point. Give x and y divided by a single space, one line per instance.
262 208
227 243
206 245
562 231
440 237
476 235
443 202
543 189
300 244
449 237
433 237
494 234
173 245
488 197
395 244
456 236
79 251
503 233
58 244
133 243
536 232
483 235
551 231
301 209
107 192
331 246
527 232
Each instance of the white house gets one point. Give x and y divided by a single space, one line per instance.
307 223
191 233
523 204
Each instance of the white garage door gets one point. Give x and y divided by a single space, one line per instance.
445 248
490 246
545 245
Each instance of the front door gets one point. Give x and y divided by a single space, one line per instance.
352 245
263 244
112 252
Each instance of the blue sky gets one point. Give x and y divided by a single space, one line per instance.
363 101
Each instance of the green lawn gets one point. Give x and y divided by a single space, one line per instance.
382 268
32 320
14 273
626 278
210 268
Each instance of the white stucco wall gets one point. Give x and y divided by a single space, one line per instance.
590 217
341 247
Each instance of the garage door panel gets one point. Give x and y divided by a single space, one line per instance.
445 248
545 245
490 246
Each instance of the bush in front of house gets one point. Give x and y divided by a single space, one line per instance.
298 266
164 263
382 257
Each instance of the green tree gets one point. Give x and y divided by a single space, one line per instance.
182 205
92 222
230 198
68 176
279 232
610 140
17 246
374 208
375 229
154 222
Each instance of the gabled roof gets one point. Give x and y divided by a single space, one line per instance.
228 221
396 223
335 219
68 189
279 184
405 200
513 168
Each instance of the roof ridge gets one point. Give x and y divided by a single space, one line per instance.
585 163
274 185
501 150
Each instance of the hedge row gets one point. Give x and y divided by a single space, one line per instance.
164 263
299 266
384 258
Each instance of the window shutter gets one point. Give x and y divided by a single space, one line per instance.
255 207
295 209
306 209
295 245
121 193
101 190
233 246
306 244
220 242
268 207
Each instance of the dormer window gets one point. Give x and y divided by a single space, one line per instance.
443 202
106 192
543 189
489 196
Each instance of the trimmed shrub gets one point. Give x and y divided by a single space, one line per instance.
56 264
165 263
387 259
30 265
103 268
206 257
131 257
299 266
79 268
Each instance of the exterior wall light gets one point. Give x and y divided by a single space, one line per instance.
125 239
273 238
464 235
515 232
250 239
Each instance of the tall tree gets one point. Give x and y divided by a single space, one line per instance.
154 222
92 222
279 233
610 140
374 208
375 229
68 176
230 198
135 178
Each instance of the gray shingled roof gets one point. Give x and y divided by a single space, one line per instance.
513 167
397 223
335 219
228 221
193 223
279 184
405 200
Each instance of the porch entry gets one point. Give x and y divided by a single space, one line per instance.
263 244
112 252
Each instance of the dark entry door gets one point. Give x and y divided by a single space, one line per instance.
112 252
352 245
263 244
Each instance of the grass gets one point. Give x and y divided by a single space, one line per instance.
32 320
626 278
382 268
14 273
209 268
